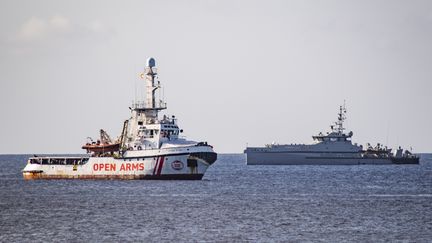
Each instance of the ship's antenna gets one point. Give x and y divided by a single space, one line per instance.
160 90
388 129
341 118
135 91
141 93
345 109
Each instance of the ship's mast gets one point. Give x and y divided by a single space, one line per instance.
341 118
150 74
150 107
146 112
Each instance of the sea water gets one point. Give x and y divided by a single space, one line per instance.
233 202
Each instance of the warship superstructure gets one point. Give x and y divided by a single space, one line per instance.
149 147
333 148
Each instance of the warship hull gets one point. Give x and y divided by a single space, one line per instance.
331 148
292 158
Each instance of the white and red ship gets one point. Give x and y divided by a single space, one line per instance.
148 148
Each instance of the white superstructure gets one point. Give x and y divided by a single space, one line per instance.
148 148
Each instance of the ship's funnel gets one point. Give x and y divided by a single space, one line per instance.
151 62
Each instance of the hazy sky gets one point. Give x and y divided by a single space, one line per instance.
234 72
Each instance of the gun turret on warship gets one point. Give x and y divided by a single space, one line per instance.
333 148
148 148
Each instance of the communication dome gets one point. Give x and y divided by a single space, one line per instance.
151 62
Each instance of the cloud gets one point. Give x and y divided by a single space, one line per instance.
57 26
60 23
97 27
32 29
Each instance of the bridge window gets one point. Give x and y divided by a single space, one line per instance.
35 161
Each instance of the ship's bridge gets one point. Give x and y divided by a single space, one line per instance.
144 106
333 137
337 133
153 135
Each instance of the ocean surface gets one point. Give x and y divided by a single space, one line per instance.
233 203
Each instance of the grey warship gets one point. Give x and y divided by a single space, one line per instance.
333 148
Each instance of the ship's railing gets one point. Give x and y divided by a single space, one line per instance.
144 105
58 161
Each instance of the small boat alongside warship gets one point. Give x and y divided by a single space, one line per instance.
148 148
333 148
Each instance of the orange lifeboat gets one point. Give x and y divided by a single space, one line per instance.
101 147
104 145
